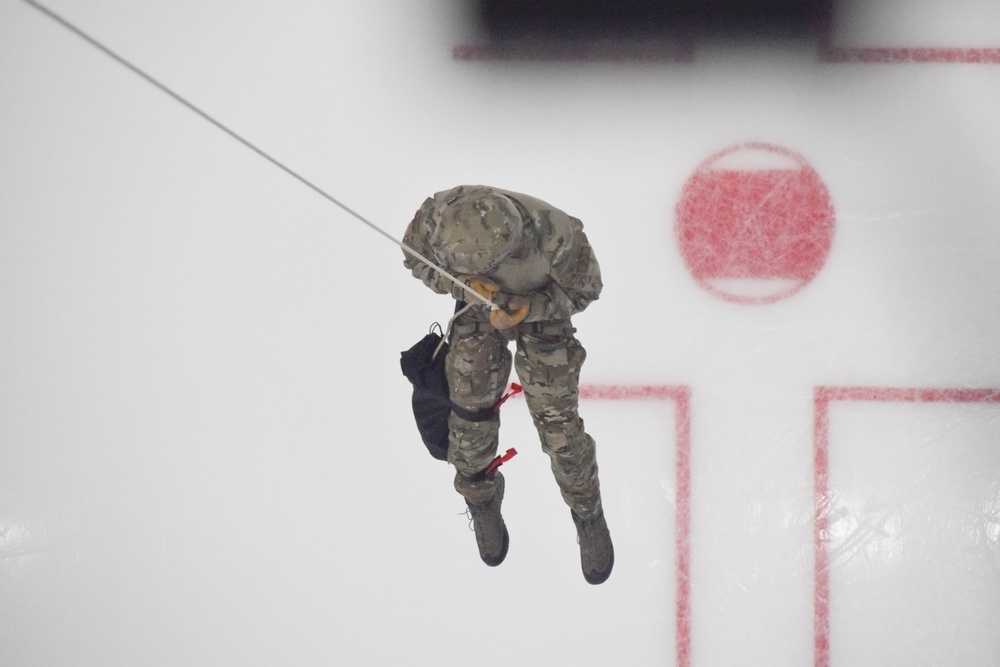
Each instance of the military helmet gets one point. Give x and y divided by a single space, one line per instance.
478 229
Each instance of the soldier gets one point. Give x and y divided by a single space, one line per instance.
534 262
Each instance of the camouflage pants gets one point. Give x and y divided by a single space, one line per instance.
547 361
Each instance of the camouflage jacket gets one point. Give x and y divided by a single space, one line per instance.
559 272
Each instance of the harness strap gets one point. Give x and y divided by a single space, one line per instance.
499 461
551 328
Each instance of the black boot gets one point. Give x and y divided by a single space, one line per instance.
597 554
491 532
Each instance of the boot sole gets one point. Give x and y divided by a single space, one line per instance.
493 562
596 578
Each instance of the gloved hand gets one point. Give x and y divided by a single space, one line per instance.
485 289
512 314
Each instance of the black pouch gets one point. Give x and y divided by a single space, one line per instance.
423 366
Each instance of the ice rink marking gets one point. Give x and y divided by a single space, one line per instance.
823 397
681 398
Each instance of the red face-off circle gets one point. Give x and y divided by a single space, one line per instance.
754 223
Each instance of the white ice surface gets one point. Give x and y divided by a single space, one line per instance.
206 455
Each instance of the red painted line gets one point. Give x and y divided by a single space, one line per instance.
822 398
681 397
685 53
908 395
633 392
908 55
682 401
821 509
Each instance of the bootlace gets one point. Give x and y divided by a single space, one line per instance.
470 517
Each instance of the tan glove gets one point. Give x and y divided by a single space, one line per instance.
517 309
484 289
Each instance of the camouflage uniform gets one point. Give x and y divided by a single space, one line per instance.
553 264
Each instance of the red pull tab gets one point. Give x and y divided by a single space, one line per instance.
499 461
515 389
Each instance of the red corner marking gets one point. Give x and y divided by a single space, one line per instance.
822 397
828 53
681 397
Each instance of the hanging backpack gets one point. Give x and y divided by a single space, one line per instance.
423 366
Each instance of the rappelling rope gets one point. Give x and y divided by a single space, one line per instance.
447 332
288 170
